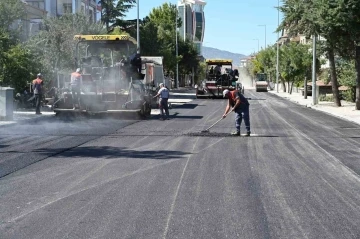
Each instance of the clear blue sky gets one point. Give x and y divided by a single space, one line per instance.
231 25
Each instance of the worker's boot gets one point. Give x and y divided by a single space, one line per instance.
235 133
248 133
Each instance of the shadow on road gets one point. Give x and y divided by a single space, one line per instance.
177 116
109 152
255 99
186 106
209 134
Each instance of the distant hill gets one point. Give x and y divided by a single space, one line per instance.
211 53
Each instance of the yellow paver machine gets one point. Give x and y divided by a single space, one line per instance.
111 79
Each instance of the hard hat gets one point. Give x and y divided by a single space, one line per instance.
38 75
78 70
225 92
161 84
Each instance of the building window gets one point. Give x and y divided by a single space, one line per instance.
91 15
198 26
38 4
67 7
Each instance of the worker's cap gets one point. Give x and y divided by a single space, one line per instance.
225 92
161 84
78 70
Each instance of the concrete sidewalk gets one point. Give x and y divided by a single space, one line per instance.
346 111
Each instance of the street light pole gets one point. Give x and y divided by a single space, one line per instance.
277 54
137 27
177 64
313 90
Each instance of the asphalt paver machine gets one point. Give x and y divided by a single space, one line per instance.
219 77
111 80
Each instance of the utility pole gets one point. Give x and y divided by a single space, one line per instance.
277 54
313 91
137 27
357 66
176 36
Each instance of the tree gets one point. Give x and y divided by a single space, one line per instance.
337 21
54 47
17 64
347 77
113 10
163 19
10 11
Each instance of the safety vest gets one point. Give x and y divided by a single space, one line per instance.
233 95
37 86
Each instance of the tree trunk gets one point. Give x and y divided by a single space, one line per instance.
291 88
288 86
305 88
284 86
357 65
334 82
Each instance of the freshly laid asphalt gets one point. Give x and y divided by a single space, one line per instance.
297 176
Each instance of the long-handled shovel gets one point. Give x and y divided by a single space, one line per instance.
207 130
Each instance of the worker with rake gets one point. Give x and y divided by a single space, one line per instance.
240 105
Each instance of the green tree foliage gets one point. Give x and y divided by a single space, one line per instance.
336 20
347 77
158 38
54 46
17 64
113 10
10 11
295 63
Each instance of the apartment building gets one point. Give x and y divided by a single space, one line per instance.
36 10
60 7
192 15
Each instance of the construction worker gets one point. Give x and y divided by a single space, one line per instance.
37 88
240 105
217 70
163 102
76 87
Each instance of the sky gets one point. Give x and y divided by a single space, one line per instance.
231 25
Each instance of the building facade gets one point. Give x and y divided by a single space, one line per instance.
36 10
192 15
60 7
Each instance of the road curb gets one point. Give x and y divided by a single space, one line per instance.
317 108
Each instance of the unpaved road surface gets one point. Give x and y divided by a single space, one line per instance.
297 176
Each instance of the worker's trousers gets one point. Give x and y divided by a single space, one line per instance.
75 92
38 103
241 113
163 105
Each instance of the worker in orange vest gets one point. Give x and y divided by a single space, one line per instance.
75 84
37 88
240 105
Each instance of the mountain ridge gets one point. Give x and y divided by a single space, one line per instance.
214 53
